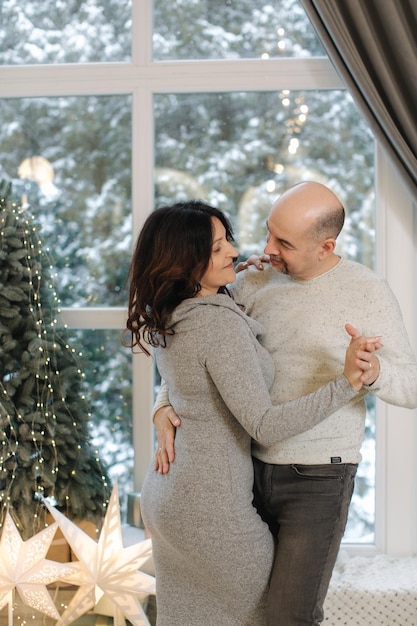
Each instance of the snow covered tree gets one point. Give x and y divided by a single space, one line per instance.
44 416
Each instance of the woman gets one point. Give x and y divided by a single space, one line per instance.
212 552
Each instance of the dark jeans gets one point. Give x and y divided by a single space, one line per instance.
306 507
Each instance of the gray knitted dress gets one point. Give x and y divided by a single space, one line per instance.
212 552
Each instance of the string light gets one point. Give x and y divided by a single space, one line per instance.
296 116
47 376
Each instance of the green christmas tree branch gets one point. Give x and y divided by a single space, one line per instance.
44 416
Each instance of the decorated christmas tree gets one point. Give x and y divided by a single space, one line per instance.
44 416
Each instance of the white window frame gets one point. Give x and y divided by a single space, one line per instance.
396 464
396 461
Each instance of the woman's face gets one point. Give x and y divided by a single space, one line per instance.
220 270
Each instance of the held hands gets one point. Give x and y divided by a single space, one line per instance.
362 366
255 260
165 421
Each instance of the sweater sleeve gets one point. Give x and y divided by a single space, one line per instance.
162 398
233 364
397 381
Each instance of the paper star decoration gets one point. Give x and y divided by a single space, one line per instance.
106 568
23 567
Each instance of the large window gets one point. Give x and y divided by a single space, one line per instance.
240 150
111 108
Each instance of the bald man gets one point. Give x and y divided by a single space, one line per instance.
303 299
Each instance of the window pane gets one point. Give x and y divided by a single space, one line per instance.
73 159
361 522
232 29
238 151
107 366
35 31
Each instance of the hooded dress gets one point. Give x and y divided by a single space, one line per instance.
212 552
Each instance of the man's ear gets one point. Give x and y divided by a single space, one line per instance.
327 247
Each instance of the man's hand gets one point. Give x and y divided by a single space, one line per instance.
255 260
165 421
366 359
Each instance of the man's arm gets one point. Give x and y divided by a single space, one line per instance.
397 380
165 421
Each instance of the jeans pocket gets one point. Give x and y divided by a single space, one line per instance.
319 472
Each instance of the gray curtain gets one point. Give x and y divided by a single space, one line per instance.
373 46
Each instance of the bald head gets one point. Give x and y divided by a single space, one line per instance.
315 210
302 228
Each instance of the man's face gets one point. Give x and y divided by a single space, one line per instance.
290 249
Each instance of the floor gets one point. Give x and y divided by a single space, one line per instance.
23 615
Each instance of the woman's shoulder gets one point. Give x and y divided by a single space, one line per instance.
205 307
217 309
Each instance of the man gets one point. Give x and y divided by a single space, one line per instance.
303 299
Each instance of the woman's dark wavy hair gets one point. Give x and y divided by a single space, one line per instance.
172 253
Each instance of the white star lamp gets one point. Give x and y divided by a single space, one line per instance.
23 567
106 568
